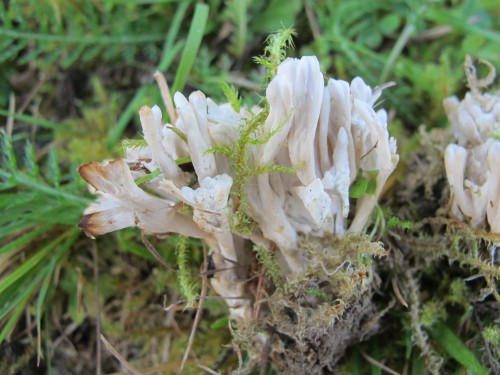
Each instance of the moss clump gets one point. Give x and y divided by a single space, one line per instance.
313 317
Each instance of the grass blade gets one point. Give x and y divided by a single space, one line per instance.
9 300
32 120
445 17
39 305
192 46
30 263
186 63
173 31
73 39
14 317
456 348
24 239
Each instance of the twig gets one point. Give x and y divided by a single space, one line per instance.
368 327
118 356
209 370
97 308
381 366
172 305
370 150
31 95
203 294
155 253
165 94
258 295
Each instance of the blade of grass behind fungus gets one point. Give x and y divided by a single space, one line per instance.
191 48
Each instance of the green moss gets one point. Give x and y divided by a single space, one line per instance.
265 258
492 335
231 95
134 143
188 286
275 51
396 222
432 311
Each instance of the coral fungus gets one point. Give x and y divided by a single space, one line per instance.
303 150
472 164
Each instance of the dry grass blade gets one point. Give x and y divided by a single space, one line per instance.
209 370
167 98
155 253
397 292
258 295
381 366
118 356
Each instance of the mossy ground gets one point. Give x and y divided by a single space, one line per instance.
76 73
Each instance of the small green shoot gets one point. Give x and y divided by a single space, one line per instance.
455 348
396 222
231 95
275 51
148 177
315 292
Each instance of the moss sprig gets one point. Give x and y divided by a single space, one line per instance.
419 336
187 284
265 257
275 51
396 222
232 95
134 143
239 154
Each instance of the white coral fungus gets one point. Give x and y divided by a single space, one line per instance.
472 165
325 138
